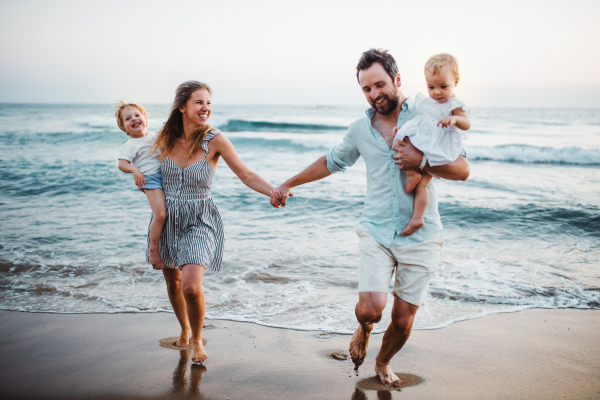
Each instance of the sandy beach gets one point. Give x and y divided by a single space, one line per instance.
534 354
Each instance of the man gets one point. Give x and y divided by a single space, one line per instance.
383 251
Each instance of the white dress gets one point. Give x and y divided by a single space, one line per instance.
440 145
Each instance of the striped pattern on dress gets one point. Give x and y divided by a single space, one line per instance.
193 231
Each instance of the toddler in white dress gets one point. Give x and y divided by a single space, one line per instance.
436 131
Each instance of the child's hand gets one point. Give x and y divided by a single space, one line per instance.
396 129
139 179
447 122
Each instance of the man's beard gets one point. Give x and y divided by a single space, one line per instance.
391 105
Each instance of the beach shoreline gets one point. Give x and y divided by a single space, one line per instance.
536 353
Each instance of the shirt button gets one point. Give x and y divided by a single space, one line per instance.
393 176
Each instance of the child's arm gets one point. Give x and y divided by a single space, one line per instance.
126 167
459 118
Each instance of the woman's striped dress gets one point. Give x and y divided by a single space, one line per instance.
193 231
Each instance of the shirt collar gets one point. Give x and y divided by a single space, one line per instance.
408 104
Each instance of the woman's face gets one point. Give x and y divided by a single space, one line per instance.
197 108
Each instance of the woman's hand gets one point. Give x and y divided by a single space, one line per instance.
280 195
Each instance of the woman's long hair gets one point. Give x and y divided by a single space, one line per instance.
173 128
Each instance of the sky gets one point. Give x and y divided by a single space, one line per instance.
523 53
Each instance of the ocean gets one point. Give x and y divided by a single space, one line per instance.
522 232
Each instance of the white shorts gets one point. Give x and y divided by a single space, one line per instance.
413 263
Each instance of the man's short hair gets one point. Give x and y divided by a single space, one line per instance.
380 56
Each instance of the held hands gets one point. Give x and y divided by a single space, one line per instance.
279 196
139 179
447 122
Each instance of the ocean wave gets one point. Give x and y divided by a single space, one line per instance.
583 220
239 125
535 155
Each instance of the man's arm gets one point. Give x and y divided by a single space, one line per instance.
409 157
314 172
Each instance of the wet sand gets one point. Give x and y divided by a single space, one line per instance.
534 354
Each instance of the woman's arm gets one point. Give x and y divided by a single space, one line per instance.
138 177
225 149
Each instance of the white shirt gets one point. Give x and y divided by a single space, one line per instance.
137 152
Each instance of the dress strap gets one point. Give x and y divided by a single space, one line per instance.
208 136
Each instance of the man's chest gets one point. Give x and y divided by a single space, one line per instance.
385 130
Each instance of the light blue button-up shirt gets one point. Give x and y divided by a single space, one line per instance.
387 207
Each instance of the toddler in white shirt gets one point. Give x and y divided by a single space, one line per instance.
136 158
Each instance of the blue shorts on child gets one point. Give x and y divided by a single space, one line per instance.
153 181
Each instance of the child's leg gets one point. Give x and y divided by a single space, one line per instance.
421 201
413 177
156 198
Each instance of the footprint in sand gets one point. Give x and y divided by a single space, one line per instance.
167 343
374 383
338 355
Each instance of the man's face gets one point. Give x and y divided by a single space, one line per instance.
379 89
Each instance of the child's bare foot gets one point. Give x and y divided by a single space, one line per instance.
184 338
387 376
413 225
412 178
155 259
199 354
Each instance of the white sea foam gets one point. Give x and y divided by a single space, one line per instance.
533 155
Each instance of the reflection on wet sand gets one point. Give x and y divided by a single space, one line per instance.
180 382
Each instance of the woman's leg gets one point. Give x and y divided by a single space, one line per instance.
156 199
419 207
173 278
191 278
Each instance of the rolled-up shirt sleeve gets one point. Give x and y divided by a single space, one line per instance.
343 155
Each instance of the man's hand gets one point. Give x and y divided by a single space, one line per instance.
447 122
280 195
407 156
139 179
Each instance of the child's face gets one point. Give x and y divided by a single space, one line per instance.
135 124
441 86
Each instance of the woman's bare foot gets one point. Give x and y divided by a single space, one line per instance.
412 178
184 338
413 225
359 344
199 354
154 257
387 376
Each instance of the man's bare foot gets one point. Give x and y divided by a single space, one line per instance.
412 178
387 376
359 345
413 226
184 338
199 354
154 257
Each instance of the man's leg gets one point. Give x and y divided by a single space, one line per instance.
403 315
368 311
376 266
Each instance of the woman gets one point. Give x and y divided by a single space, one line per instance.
192 238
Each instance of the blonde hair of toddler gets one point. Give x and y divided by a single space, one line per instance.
120 106
438 61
